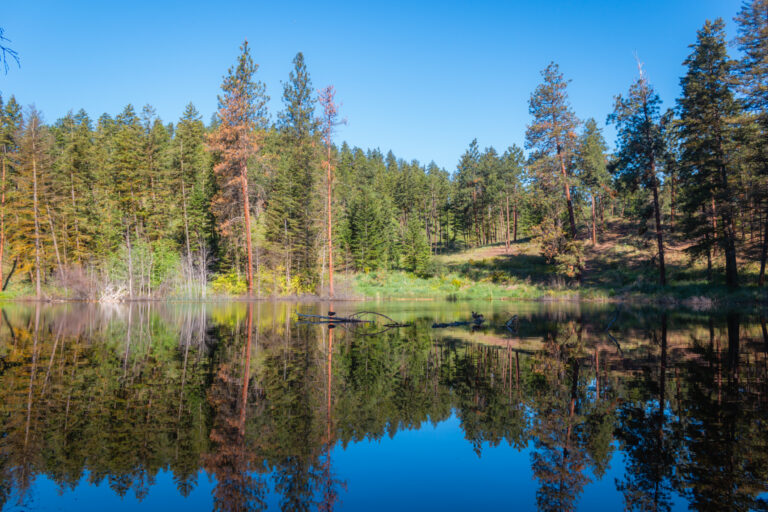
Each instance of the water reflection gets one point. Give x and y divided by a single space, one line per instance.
669 408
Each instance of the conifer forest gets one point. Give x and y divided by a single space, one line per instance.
126 205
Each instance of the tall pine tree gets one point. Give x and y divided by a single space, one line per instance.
707 106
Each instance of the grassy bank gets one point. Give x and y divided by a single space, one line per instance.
620 267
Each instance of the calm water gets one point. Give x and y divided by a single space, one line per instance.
245 407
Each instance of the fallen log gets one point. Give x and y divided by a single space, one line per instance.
324 319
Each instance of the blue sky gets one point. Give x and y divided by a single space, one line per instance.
420 78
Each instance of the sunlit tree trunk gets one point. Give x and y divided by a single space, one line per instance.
247 215
566 186
2 213
36 214
659 235
594 221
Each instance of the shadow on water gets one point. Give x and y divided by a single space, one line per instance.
249 409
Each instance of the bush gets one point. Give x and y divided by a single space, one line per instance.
229 284
558 249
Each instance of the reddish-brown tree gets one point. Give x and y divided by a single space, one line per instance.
326 97
242 119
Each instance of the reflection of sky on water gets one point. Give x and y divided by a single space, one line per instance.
429 468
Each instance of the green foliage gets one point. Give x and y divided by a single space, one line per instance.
230 283
416 254
559 249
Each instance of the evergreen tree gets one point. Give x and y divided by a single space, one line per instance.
34 161
512 170
242 119
10 121
640 145
126 178
366 232
706 107
416 256
292 220
592 164
75 180
753 77
192 173
552 134
468 181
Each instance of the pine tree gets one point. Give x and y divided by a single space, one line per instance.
592 164
10 121
706 108
74 181
512 170
192 175
552 134
326 97
34 159
640 146
467 181
125 167
416 256
753 78
242 119
292 221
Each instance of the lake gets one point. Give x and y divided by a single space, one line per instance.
249 406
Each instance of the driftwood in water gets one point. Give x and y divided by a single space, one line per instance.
451 324
477 321
324 319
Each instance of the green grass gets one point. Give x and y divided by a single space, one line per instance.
621 270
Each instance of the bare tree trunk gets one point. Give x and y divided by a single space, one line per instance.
571 217
714 226
507 230
709 248
514 222
659 235
594 221
184 205
53 234
247 215
38 290
729 233
763 253
330 230
2 213
130 261
672 200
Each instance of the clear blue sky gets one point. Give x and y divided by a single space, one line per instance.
420 78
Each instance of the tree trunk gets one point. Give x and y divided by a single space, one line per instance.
729 234
53 234
130 261
247 215
571 218
659 235
74 214
514 225
763 252
709 248
38 289
507 227
10 273
714 226
184 206
594 221
2 214
330 230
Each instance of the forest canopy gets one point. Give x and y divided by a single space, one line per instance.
128 205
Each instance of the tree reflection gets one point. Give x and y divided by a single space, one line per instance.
264 405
